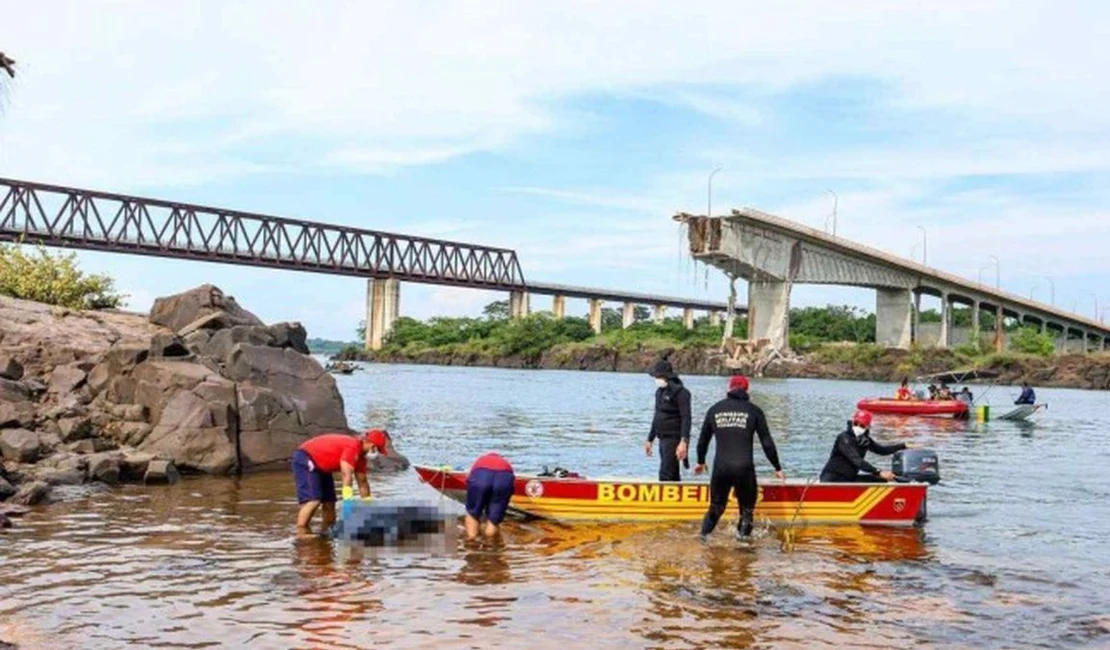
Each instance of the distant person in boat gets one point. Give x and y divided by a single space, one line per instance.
846 462
904 391
932 391
1027 395
734 422
965 395
318 458
945 393
671 422
489 488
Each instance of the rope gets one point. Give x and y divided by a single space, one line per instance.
790 533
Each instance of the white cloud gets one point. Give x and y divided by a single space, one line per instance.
374 86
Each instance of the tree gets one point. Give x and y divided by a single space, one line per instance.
54 280
496 310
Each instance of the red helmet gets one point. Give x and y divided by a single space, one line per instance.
862 418
738 381
378 438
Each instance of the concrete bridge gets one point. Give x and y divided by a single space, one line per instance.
774 254
70 217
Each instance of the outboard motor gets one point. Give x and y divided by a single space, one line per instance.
919 465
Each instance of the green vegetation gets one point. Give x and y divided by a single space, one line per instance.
326 346
54 280
1029 340
495 333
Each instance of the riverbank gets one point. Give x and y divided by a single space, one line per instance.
831 361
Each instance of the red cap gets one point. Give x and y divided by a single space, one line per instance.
862 418
378 438
738 381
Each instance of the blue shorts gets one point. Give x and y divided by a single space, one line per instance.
488 492
312 484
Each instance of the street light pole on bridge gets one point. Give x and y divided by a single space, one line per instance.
925 246
709 193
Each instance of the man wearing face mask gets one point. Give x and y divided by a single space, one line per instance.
846 461
671 423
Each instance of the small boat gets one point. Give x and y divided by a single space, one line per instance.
570 499
890 405
1021 412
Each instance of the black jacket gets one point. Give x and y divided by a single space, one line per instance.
672 412
846 459
734 421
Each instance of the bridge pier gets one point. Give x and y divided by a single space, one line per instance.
383 299
518 304
714 318
688 318
944 340
559 306
595 315
628 317
660 314
769 312
894 317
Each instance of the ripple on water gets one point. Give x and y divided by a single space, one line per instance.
1013 554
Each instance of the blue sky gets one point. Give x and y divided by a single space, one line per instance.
572 132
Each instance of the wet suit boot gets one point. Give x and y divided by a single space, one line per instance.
744 528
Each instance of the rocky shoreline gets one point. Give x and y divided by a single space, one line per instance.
1084 371
90 399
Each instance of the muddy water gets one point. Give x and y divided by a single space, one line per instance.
1015 553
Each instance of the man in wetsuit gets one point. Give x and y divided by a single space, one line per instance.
734 421
846 460
671 423
1027 395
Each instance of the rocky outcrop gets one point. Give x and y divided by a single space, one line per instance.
201 385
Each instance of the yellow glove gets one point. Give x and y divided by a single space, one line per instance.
348 492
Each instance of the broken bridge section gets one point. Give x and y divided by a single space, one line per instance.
773 254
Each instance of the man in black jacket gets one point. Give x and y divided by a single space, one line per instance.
671 423
734 421
846 460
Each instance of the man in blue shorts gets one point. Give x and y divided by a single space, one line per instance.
318 458
489 487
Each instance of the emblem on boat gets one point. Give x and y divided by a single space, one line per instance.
899 505
533 489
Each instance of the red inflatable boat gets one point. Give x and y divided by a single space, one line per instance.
889 405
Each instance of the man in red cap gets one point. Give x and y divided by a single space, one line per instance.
734 421
318 458
846 460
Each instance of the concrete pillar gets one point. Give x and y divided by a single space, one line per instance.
660 313
769 312
688 318
893 318
518 304
943 341
628 317
559 306
999 330
975 318
383 298
595 315
916 317
714 318
1084 342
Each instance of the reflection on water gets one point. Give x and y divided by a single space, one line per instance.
1011 556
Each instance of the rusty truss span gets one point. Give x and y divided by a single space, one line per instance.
85 219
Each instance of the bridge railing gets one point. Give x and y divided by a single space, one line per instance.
76 218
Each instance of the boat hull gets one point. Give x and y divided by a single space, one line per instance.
893 406
791 503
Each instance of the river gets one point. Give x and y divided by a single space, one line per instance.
1015 553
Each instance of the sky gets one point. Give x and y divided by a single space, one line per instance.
571 132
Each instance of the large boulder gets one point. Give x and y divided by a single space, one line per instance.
13 391
284 397
192 414
20 445
179 311
16 414
105 467
65 380
32 493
